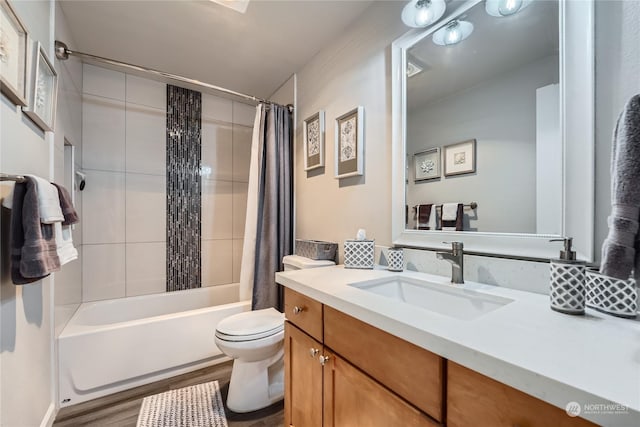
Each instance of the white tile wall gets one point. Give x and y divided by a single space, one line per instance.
103 272
145 208
103 134
146 92
104 207
146 268
239 208
68 281
216 108
217 256
237 259
243 114
241 152
217 209
102 82
217 149
146 139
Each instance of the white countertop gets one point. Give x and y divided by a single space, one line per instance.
592 359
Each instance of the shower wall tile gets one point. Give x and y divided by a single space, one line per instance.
239 208
146 92
146 133
217 256
68 281
241 152
217 108
103 208
217 149
103 272
102 82
146 268
243 114
145 208
236 261
103 134
217 209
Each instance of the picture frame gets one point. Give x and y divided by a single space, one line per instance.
460 158
313 128
14 48
43 90
349 143
427 164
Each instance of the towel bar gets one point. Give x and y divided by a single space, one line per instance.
9 177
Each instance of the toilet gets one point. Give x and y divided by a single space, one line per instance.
255 340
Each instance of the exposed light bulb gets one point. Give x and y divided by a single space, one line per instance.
509 7
421 13
424 13
453 34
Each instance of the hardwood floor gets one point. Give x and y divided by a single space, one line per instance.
121 409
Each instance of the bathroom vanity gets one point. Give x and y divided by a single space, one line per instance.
365 347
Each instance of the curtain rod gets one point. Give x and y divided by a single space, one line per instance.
63 52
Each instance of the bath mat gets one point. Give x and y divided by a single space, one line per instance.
195 406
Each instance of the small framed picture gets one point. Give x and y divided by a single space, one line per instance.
43 91
460 158
350 144
314 141
427 164
13 55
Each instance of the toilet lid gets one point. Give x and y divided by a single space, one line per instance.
250 325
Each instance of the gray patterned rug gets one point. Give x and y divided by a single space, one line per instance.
195 406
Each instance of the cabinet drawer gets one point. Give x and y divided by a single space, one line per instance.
415 374
472 397
303 312
353 399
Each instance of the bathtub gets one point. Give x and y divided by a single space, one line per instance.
112 345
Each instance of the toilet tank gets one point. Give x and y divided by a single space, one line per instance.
297 262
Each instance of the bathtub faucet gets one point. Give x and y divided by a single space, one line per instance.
456 258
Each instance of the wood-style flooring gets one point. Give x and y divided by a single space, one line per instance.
121 409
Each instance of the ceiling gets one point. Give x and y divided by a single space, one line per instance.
497 45
253 53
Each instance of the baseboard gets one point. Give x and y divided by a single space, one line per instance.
50 416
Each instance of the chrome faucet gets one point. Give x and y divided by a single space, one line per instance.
456 258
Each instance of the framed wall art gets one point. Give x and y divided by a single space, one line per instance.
460 158
349 144
13 55
43 89
427 164
314 141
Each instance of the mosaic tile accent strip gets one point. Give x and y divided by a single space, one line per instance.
184 188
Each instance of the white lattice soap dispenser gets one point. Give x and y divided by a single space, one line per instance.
567 291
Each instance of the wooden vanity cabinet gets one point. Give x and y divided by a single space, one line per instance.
476 400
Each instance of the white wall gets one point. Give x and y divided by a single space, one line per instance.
501 115
124 204
26 312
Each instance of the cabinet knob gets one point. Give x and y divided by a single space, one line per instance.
298 310
324 359
314 352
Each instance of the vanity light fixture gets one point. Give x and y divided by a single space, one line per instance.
501 8
453 33
422 13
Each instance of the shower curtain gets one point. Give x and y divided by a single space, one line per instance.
269 220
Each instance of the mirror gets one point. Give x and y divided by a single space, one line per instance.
485 130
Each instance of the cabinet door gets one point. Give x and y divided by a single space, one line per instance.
303 379
476 400
353 399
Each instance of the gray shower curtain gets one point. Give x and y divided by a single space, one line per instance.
274 231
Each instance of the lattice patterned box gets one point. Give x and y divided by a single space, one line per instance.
567 293
358 254
316 249
612 296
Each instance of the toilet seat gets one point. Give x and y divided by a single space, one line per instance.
251 325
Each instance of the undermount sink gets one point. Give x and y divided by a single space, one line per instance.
455 302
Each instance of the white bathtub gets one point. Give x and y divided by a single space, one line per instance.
109 346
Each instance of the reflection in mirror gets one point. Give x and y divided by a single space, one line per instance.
483 124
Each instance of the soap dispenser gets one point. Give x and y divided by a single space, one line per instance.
567 291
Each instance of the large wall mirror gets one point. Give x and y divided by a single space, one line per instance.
493 129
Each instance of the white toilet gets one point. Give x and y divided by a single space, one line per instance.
255 340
